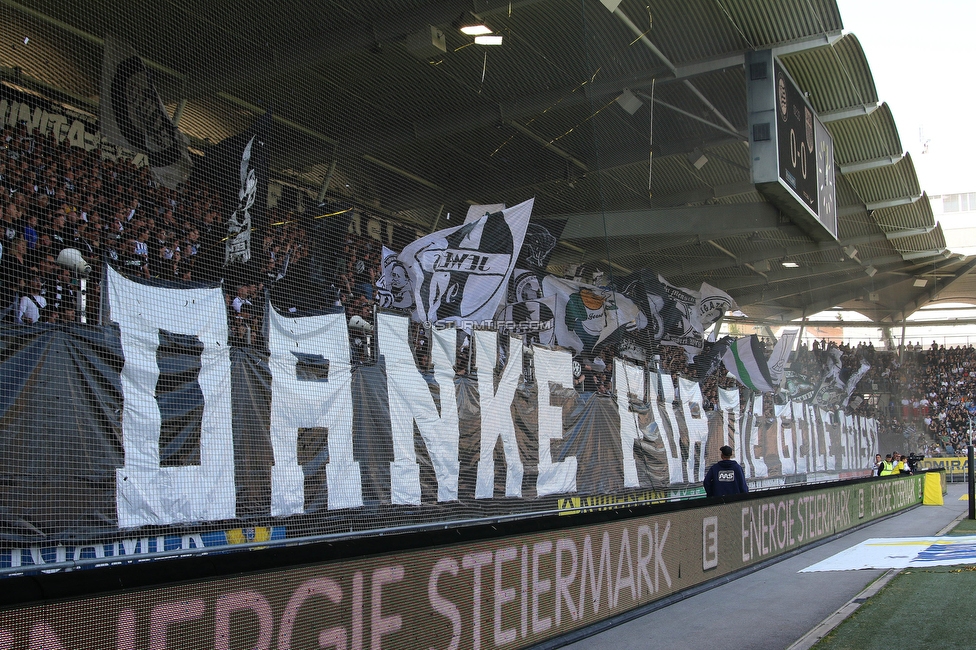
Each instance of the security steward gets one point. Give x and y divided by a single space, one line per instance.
887 466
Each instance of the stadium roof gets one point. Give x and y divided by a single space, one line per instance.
369 108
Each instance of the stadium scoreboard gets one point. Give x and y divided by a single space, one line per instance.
792 151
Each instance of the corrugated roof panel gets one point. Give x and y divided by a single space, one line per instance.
933 241
892 183
708 34
740 199
765 23
724 89
938 236
211 119
906 217
834 77
851 210
858 225
879 252
49 54
866 137
672 175
726 165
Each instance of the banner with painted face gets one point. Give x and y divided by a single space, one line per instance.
587 316
394 290
132 115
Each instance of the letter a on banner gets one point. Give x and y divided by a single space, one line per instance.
325 403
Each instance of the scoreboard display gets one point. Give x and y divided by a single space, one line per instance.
792 151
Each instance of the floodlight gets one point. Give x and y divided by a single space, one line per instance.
476 29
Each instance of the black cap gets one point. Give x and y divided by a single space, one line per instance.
726 450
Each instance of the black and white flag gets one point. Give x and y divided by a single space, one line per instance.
132 116
460 275
832 390
394 290
672 312
237 170
853 381
534 318
541 238
707 361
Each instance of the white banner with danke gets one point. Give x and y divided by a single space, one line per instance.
544 457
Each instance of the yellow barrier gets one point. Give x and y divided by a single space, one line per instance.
932 489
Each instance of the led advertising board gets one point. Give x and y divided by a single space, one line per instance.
508 585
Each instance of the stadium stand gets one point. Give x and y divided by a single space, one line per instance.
323 285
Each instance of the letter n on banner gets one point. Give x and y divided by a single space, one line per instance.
411 401
147 494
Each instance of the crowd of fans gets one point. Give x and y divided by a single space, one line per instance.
55 196
938 386
923 395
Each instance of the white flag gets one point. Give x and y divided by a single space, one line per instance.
712 304
587 315
460 275
781 354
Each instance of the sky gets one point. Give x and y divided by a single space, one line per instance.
922 54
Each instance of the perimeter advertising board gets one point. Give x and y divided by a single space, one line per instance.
956 468
512 590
